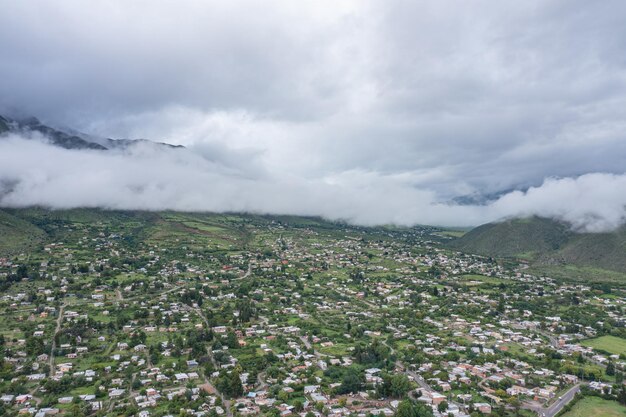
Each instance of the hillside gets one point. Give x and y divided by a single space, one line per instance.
17 235
68 138
518 238
548 245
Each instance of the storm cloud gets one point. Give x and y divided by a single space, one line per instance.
368 111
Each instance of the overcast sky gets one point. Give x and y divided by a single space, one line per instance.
370 111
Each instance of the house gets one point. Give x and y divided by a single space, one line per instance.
65 367
44 412
437 398
484 408
309 389
21 399
182 377
115 393
318 398
7 398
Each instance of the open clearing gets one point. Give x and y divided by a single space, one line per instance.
596 407
611 344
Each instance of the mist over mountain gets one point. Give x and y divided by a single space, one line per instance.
30 127
44 166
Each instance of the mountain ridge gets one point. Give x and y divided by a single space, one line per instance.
547 243
69 138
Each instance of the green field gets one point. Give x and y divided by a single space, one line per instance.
468 279
611 344
596 407
453 233
579 273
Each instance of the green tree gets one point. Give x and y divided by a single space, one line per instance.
610 369
409 408
395 386
298 405
350 383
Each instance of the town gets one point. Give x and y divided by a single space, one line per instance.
174 314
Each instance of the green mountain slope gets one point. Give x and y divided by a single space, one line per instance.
599 250
17 235
548 245
517 238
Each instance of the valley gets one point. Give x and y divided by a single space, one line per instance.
112 313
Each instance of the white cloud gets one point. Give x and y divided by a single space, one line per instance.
429 99
148 177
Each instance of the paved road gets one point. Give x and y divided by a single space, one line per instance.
558 405
261 383
424 385
54 340
420 381
308 345
555 344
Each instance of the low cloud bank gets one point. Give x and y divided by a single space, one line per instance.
147 177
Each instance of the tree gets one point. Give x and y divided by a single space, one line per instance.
395 385
514 402
298 405
610 369
246 310
230 384
34 346
351 382
22 271
231 340
442 406
621 396
374 353
283 396
408 408
75 410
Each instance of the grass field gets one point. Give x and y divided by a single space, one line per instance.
596 407
612 344
579 273
467 279
453 233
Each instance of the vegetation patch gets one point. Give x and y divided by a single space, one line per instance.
611 344
596 407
